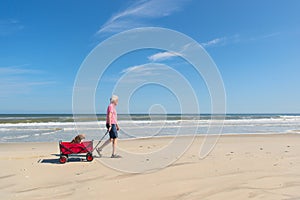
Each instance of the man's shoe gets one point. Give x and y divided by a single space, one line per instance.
115 156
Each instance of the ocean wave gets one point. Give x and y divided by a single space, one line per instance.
235 119
14 137
293 131
290 116
143 127
36 124
70 126
49 133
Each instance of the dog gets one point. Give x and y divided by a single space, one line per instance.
78 139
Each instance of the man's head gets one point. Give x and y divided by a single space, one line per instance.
114 99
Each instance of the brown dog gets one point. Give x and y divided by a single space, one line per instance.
78 139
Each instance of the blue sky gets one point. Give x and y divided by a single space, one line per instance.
255 45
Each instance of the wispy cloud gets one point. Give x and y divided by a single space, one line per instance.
145 70
170 54
17 69
10 26
213 42
140 73
265 36
132 68
142 70
221 41
139 14
19 80
164 56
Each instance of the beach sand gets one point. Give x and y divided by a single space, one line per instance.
239 167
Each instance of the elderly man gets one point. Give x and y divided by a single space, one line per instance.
112 126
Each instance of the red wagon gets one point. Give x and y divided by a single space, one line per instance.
68 148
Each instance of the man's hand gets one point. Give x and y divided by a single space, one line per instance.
118 128
109 129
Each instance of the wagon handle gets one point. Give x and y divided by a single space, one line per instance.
99 141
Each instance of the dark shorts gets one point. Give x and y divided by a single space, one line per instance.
113 133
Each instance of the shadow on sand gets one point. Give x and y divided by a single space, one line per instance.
77 158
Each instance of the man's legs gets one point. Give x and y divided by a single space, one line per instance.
114 143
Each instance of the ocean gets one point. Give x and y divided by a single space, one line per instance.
55 127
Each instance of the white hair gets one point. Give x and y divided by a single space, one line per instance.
114 98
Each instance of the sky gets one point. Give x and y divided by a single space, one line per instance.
255 45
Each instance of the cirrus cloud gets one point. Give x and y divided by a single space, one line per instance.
139 13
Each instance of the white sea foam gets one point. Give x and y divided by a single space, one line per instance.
55 131
15 137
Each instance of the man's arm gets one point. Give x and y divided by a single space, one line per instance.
109 120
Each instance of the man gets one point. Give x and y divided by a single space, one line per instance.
112 126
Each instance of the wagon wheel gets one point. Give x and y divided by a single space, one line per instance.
63 159
89 157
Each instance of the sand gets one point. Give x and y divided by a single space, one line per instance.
239 167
